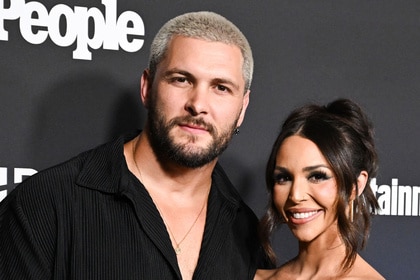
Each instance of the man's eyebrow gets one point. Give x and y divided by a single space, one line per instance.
226 81
177 71
187 74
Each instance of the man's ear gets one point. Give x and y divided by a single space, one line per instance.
245 103
145 87
361 184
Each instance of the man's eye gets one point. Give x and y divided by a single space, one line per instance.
179 79
174 79
223 88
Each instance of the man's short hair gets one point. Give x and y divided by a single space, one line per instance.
204 25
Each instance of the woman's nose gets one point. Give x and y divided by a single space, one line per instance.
298 191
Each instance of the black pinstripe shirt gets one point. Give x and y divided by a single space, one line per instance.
90 218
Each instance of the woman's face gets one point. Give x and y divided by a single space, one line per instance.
305 190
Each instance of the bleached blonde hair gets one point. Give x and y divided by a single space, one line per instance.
202 25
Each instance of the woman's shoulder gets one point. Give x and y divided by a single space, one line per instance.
264 274
363 270
282 272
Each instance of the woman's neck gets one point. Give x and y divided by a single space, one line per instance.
322 256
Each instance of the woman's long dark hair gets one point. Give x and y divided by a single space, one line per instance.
344 135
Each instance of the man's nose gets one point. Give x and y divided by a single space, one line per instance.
198 100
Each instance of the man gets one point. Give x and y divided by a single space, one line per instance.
154 205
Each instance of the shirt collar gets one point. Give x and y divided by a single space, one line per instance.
102 169
105 169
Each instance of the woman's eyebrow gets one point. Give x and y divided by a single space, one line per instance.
314 167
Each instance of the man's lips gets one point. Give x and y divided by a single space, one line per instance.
193 127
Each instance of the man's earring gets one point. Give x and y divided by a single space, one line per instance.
236 131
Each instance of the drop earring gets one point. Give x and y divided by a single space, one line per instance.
351 206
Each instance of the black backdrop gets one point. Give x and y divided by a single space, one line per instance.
54 105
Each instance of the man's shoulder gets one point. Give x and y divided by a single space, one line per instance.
223 183
66 174
229 192
48 182
58 173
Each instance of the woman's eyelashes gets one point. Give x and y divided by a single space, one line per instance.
281 177
318 176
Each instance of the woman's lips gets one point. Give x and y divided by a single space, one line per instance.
302 216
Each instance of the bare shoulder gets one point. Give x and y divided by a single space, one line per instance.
282 272
265 274
363 270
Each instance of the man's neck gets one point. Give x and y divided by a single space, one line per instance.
169 177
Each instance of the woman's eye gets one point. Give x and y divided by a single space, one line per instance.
281 178
318 177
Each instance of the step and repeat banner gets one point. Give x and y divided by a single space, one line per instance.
69 81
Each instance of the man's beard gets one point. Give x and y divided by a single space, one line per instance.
183 154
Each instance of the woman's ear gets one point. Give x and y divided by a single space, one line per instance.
361 184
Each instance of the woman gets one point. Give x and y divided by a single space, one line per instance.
318 178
